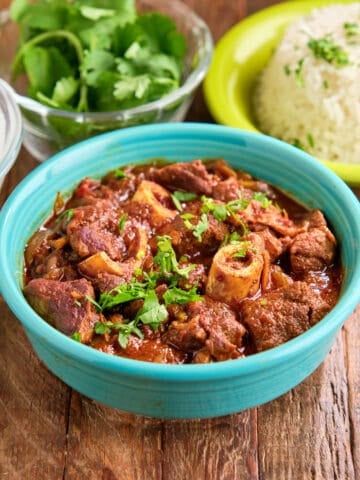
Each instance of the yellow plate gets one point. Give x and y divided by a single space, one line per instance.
239 57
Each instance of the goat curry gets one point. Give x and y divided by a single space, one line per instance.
182 263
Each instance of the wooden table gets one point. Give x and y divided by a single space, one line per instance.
48 431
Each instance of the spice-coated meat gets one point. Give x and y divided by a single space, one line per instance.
65 305
282 314
188 177
312 251
93 229
207 325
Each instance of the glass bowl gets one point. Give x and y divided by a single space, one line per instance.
10 130
48 130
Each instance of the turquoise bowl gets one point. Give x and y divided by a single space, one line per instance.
180 391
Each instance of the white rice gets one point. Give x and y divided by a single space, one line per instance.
317 108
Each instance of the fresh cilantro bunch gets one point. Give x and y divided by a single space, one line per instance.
96 55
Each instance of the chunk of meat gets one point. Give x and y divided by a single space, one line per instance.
65 305
316 219
196 278
94 229
188 177
270 216
226 190
312 251
276 246
151 349
89 192
206 325
220 168
185 243
280 315
99 264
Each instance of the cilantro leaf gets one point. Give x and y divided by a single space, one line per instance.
162 35
95 13
178 197
124 330
76 336
180 296
136 87
122 293
243 248
166 258
122 222
263 199
201 227
95 63
152 312
64 91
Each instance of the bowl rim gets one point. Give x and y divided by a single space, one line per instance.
34 324
13 129
227 52
191 82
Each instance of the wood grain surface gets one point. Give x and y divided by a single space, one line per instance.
49 431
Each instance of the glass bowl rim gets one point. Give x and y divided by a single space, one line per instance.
13 129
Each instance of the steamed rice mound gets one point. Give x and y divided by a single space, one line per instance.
309 93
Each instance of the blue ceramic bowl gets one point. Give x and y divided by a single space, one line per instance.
180 391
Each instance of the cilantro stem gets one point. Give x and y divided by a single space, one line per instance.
72 39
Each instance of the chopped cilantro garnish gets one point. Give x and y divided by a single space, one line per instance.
326 49
232 238
298 144
298 73
201 227
262 198
351 28
310 140
165 258
121 294
178 197
238 204
119 173
76 336
242 250
124 330
65 215
152 313
287 70
122 222
218 210
221 211
180 296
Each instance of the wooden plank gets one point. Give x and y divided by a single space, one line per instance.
305 434
104 443
219 15
34 407
221 448
352 341
255 5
